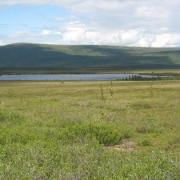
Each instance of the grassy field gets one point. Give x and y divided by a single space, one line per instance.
90 130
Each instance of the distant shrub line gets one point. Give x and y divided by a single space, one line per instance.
156 78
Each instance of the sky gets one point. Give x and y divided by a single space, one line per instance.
143 23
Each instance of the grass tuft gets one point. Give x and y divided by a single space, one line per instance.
105 134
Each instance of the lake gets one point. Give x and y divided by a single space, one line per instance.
70 77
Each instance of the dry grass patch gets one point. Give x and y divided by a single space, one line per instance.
124 146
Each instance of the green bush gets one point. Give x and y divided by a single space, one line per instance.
145 143
106 134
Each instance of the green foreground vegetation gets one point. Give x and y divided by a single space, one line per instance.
90 130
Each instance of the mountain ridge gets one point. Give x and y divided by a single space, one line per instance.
70 58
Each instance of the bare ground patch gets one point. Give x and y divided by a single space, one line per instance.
124 146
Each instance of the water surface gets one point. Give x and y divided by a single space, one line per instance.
70 77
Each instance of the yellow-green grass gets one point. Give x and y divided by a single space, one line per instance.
90 130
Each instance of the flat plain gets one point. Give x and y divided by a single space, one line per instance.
90 130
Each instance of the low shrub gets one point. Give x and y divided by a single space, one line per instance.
105 134
145 143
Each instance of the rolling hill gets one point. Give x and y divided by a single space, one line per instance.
22 57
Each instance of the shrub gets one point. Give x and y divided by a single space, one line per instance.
104 133
145 143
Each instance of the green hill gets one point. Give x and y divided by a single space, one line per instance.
85 58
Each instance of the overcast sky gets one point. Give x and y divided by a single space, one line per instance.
150 23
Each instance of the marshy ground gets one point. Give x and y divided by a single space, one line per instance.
90 130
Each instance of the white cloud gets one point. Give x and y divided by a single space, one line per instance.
166 40
11 2
152 12
74 32
115 22
77 33
46 32
144 42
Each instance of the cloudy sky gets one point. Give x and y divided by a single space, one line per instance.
149 23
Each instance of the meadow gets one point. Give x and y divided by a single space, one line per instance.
90 130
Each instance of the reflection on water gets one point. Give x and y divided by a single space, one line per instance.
71 77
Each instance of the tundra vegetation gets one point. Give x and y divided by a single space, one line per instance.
90 130
43 58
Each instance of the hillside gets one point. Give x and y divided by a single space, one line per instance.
67 59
